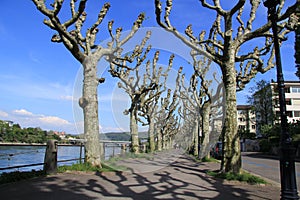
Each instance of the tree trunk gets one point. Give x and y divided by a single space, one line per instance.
231 161
151 136
164 141
134 131
196 137
204 151
89 104
159 140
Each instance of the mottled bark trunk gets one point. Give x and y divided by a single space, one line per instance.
159 140
204 150
151 137
134 131
89 104
196 137
169 143
164 141
231 161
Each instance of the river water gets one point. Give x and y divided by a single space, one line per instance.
24 155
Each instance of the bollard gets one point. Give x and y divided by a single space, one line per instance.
50 161
123 148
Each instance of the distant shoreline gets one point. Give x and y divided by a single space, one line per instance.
31 144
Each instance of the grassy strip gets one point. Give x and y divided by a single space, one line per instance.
16 176
242 177
206 159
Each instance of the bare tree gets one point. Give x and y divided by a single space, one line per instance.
167 121
192 101
149 110
186 133
84 48
222 45
207 99
138 88
199 98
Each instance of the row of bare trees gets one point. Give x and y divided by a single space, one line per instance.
199 103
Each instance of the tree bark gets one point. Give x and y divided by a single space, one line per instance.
204 150
151 136
196 136
134 131
231 161
89 104
159 140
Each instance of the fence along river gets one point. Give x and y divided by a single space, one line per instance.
17 155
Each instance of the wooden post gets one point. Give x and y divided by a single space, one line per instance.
50 161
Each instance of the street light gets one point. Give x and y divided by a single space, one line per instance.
287 152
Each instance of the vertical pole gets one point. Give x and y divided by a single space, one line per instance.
80 154
287 152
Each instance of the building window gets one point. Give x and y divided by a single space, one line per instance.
241 119
242 127
296 113
253 127
295 89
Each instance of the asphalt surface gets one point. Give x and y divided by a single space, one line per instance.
169 175
266 166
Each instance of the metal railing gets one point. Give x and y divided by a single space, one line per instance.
41 163
37 164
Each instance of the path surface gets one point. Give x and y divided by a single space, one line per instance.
169 175
266 166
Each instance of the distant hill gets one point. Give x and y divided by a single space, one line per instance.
121 136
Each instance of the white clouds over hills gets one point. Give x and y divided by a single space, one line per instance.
28 119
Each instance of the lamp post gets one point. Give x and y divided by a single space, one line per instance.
287 152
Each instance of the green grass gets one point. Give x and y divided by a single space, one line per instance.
242 177
206 159
78 167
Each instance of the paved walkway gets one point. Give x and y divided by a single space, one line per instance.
169 175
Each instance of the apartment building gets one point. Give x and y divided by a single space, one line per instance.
246 118
292 99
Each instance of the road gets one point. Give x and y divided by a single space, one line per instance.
265 166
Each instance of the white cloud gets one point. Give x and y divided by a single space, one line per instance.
22 112
3 114
53 120
28 119
67 98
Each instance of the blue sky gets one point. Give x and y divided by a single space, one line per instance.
38 77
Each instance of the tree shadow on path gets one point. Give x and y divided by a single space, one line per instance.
181 179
